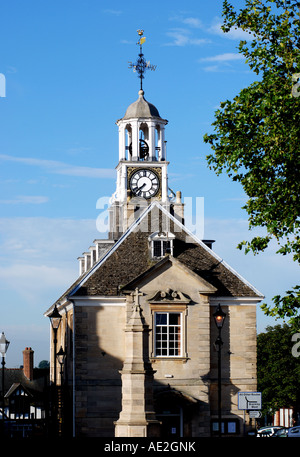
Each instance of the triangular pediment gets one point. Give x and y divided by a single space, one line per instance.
167 294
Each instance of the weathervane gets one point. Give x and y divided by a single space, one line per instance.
141 65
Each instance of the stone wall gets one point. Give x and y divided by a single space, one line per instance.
99 354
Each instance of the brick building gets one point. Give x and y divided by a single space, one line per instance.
26 399
137 325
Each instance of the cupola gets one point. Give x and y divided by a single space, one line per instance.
141 108
142 132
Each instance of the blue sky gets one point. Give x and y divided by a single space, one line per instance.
67 82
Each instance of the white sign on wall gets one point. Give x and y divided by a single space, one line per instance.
249 400
254 414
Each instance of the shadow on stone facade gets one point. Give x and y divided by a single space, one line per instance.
97 376
98 399
99 388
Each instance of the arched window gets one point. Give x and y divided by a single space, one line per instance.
144 142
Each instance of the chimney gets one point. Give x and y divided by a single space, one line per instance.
28 363
208 243
178 208
81 265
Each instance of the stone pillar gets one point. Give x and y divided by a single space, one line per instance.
122 142
135 143
137 418
162 143
152 151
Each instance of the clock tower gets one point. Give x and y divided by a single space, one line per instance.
142 169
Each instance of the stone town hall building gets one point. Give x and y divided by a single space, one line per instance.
137 325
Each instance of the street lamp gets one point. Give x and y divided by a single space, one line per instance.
61 359
3 349
55 319
219 317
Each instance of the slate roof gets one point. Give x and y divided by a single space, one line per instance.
15 376
130 257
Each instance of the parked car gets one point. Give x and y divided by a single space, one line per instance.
281 433
294 432
267 431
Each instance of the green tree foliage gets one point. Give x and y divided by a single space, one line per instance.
44 364
256 135
278 370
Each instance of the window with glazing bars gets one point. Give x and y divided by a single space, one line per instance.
160 247
168 334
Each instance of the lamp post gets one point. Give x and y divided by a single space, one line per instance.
3 349
61 360
219 317
55 319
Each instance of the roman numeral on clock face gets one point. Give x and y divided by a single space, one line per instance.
144 183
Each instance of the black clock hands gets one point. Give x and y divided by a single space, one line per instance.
143 185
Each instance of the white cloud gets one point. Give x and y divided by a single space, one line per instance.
113 12
26 199
78 150
233 34
212 68
54 166
225 57
193 22
222 62
127 42
182 37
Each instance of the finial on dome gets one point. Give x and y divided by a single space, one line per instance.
141 65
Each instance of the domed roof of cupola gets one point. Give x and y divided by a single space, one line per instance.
141 108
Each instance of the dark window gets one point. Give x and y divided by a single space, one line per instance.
228 427
161 247
156 248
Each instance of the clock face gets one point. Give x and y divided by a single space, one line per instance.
144 183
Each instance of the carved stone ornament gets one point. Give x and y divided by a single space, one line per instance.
169 296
